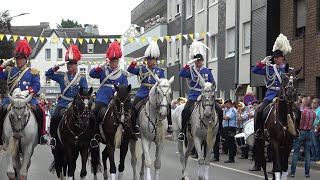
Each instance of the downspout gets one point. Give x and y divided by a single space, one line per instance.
181 94
237 10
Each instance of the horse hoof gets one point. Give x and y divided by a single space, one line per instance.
22 178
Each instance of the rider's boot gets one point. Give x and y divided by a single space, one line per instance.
259 132
181 135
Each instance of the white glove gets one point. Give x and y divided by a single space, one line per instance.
266 60
61 64
103 65
7 63
192 61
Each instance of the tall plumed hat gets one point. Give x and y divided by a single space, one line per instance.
73 54
197 50
281 46
114 51
152 51
23 50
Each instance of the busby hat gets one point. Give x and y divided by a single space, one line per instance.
73 54
281 46
197 50
23 50
114 51
152 51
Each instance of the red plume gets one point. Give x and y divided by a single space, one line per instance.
73 53
114 51
23 47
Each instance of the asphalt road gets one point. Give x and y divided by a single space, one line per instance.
170 169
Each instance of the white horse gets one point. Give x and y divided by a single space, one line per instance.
204 127
20 133
153 125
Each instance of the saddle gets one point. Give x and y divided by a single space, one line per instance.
140 104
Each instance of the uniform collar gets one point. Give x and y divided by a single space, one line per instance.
23 67
71 73
109 68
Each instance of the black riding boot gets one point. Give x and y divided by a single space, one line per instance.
54 123
259 127
3 112
38 112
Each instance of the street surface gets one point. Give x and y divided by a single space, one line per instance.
171 167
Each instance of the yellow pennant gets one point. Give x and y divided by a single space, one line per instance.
179 37
203 34
167 38
119 40
131 40
191 36
41 39
80 40
106 40
1 37
15 37
93 40
162 61
143 40
68 40
54 40
28 38
155 39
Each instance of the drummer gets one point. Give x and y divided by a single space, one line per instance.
243 117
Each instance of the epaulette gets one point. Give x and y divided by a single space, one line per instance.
34 71
8 68
60 72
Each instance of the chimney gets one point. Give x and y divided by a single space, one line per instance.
91 29
46 25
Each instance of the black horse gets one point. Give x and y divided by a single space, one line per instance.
281 126
75 133
116 129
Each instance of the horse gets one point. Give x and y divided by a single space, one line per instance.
153 122
116 129
280 125
75 133
204 128
20 134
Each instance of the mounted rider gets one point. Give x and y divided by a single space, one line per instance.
109 74
197 53
146 76
25 78
272 71
70 82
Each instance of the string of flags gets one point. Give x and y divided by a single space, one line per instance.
179 37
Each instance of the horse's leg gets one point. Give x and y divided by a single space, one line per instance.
104 161
132 145
197 143
157 162
147 161
142 166
210 143
181 154
27 151
186 156
123 153
276 158
12 156
72 156
113 168
84 158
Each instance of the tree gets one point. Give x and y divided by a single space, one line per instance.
68 24
6 46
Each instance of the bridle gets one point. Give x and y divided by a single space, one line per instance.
290 85
166 95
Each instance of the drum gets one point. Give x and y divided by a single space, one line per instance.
240 140
249 132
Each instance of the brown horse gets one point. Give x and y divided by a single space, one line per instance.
281 126
75 133
116 129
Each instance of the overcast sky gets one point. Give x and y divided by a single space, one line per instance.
112 16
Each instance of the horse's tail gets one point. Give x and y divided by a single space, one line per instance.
95 160
118 136
13 147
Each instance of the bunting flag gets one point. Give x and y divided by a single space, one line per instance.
41 39
15 37
93 40
1 37
8 36
74 40
143 40
54 40
34 38
28 38
185 36
161 38
68 40
119 40
203 34
131 40
80 40
197 35
106 40
191 36
179 37
100 41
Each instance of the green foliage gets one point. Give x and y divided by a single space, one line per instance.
6 46
68 24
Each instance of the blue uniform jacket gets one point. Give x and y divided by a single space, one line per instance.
30 79
147 80
59 77
194 82
262 70
106 91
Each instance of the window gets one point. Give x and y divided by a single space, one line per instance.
212 2
59 55
230 42
177 42
188 9
213 47
178 7
246 36
90 48
48 54
200 5
83 71
300 17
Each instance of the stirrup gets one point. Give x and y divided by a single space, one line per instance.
259 134
53 143
94 142
181 136
136 130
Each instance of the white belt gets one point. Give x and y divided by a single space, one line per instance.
275 88
108 85
196 89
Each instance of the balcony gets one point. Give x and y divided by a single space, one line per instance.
137 49
146 9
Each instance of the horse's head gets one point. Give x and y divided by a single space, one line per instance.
208 98
122 98
289 78
160 95
82 104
